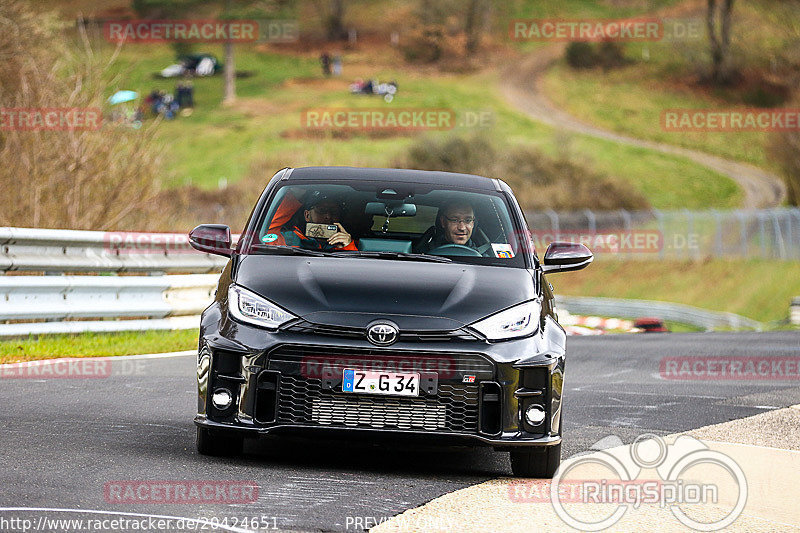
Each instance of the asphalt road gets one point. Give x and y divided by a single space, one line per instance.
64 440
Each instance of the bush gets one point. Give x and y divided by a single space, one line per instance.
610 55
81 179
784 147
539 181
581 55
423 45
607 54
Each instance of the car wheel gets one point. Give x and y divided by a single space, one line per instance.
218 444
539 461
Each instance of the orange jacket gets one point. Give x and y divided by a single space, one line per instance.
279 230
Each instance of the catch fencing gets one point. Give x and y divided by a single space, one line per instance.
694 235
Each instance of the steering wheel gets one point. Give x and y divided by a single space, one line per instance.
455 249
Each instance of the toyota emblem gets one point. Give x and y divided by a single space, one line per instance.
382 333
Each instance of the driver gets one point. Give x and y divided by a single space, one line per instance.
454 225
318 208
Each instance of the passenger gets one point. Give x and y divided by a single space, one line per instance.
454 225
288 225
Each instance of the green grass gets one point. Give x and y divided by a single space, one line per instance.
218 144
630 100
749 288
96 345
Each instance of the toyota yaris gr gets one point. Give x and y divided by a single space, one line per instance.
363 301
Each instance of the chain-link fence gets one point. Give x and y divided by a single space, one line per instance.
654 234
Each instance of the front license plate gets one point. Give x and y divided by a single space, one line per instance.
386 383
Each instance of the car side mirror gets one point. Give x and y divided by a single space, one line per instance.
566 256
212 239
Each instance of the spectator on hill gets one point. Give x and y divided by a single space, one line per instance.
325 61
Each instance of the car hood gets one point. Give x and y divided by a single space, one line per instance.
355 291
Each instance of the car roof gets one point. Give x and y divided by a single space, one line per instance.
392 175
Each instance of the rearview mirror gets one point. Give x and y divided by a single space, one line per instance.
212 239
566 256
391 209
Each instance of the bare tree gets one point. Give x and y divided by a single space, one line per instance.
720 40
332 14
474 24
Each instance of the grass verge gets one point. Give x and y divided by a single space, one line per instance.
222 144
96 345
758 289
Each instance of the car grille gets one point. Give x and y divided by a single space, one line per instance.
303 399
309 328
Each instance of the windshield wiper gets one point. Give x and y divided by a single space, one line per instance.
395 255
282 248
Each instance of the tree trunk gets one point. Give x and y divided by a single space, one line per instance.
472 27
229 94
720 44
335 21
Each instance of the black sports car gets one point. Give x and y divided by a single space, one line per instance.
390 301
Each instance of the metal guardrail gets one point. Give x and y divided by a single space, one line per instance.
677 235
48 250
174 301
684 314
60 298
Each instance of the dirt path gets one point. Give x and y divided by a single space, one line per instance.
522 86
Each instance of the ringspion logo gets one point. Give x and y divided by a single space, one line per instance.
683 476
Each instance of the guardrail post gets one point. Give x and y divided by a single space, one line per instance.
591 219
776 227
742 232
660 219
553 216
794 311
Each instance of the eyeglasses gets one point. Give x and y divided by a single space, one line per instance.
455 220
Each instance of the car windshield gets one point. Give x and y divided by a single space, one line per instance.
384 220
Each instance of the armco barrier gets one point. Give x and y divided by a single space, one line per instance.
684 314
58 298
48 250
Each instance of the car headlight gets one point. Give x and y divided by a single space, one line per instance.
249 307
519 321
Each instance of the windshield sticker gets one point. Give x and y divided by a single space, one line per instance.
502 250
269 237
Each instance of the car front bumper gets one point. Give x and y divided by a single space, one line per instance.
290 383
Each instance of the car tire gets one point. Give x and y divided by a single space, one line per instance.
538 462
218 444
